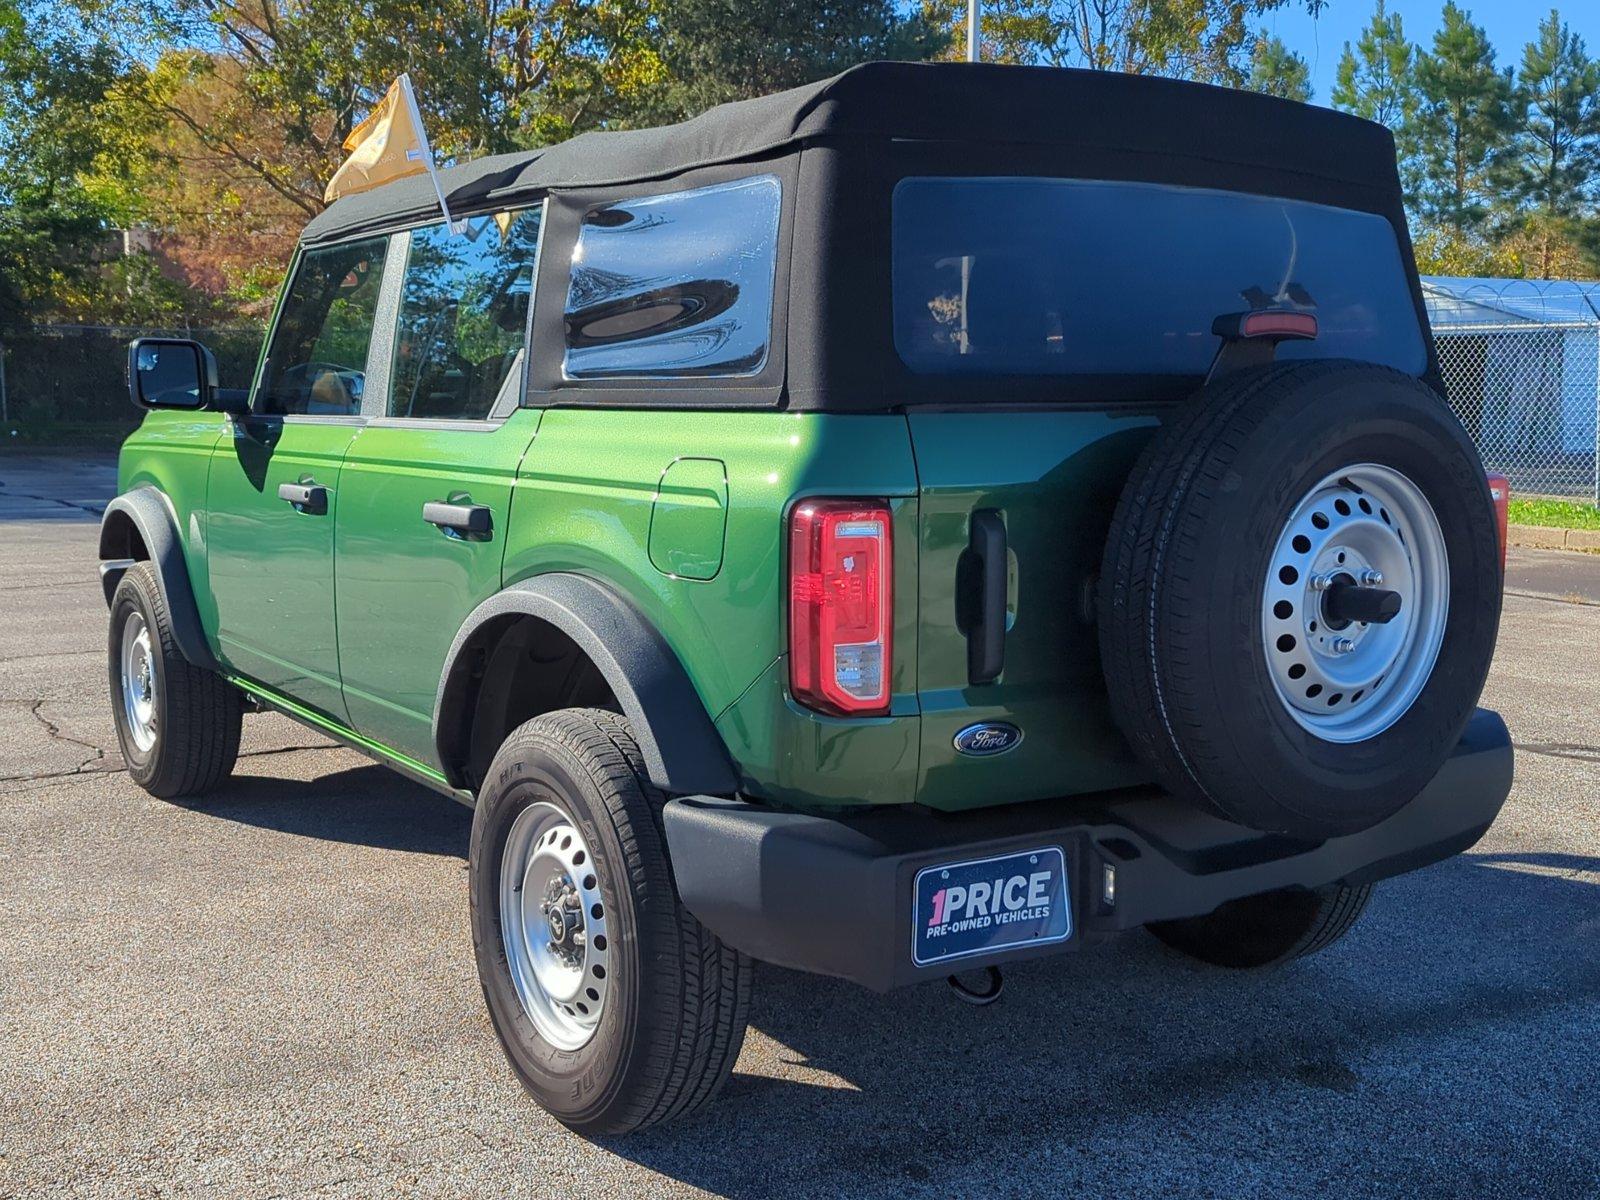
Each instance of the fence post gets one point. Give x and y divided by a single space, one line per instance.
5 405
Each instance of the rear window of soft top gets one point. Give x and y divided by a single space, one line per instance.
1025 276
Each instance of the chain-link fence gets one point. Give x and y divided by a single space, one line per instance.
61 383
1521 362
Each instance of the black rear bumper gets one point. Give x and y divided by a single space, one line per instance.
833 895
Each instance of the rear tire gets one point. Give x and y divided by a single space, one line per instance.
1266 930
654 1034
178 724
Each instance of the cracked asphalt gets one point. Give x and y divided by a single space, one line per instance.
272 993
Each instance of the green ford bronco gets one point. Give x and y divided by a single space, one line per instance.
940 516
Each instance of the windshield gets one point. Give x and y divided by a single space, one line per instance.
1073 277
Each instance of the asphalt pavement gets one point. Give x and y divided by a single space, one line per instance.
272 993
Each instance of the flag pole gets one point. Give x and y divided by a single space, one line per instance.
427 153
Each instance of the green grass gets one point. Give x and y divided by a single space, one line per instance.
1562 514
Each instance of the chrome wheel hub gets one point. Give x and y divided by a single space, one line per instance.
1366 527
138 678
553 926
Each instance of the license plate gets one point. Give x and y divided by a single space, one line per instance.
987 905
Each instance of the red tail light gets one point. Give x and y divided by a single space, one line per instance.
1276 323
841 611
1500 493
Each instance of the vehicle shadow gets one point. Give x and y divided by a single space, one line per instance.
1129 1068
367 805
1464 966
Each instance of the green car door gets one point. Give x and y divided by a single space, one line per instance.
273 494
426 486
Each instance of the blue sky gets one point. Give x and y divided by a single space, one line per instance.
1510 24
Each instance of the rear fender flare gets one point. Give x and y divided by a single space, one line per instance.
682 750
148 513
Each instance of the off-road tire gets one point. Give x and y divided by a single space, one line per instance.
674 1019
1265 930
1180 606
198 713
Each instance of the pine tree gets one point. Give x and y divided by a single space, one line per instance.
1557 154
1558 147
1463 126
1374 79
1278 71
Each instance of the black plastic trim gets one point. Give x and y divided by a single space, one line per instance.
682 750
152 517
833 895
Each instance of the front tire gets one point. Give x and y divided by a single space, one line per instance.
615 1007
178 724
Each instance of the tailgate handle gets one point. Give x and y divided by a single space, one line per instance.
981 596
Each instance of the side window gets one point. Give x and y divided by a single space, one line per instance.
675 285
464 317
317 360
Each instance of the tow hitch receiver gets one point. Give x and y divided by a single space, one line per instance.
996 984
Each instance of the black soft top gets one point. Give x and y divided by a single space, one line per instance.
1192 129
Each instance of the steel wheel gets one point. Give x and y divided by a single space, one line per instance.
1365 527
553 924
138 676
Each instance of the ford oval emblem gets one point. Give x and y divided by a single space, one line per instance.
987 739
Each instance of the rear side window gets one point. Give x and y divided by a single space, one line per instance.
1075 277
675 285
317 360
464 317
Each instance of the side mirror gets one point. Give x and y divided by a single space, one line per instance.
171 373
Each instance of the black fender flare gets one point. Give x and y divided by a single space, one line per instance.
682 750
150 515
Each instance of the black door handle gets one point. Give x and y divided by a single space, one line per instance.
306 497
981 596
459 520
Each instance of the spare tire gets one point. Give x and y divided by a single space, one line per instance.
1278 507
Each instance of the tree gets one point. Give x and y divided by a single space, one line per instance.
1207 40
1440 250
244 105
273 87
1463 125
1557 147
53 219
219 223
1279 71
718 50
1374 77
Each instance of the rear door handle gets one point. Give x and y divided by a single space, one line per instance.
981 596
459 520
306 497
